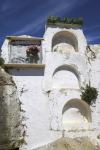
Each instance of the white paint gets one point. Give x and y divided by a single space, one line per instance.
63 48
5 51
45 95
65 79
73 120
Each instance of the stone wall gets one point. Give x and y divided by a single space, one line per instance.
10 115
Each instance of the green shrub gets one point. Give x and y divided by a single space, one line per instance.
53 20
89 94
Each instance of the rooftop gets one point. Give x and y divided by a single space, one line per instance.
24 37
64 22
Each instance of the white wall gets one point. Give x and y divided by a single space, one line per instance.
51 32
5 51
43 103
35 103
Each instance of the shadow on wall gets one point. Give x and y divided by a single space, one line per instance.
66 76
27 72
76 114
65 37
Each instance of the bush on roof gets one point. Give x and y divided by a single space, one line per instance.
53 20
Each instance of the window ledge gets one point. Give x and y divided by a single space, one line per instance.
24 65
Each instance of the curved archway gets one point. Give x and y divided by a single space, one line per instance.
64 41
66 76
69 68
76 114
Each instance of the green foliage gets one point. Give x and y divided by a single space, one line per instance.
89 94
2 62
53 20
98 136
32 54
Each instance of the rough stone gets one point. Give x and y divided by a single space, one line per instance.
71 144
10 117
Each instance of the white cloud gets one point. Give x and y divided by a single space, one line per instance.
91 39
5 6
57 9
92 27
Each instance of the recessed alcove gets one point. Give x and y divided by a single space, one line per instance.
25 50
76 115
64 42
65 77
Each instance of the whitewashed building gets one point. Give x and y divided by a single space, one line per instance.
49 73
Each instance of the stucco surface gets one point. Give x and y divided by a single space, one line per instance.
44 93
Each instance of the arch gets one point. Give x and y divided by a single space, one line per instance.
69 68
66 40
78 114
68 75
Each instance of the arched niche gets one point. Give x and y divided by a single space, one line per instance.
76 114
64 42
66 77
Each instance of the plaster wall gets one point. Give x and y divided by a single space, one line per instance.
5 51
75 63
82 62
94 66
36 106
42 103
51 32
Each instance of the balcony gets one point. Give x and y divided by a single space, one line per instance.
25 51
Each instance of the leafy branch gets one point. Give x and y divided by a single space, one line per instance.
89 94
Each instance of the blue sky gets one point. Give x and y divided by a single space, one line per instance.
18 17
